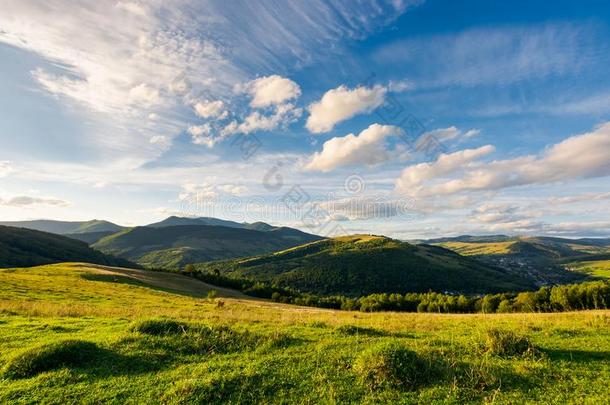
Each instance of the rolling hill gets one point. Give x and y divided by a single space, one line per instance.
540 258
361 264
179 221
25 247
172 247
66 227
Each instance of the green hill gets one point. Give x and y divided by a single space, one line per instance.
360 265
89 237
179 221
542 259
66 227
25 247
172 247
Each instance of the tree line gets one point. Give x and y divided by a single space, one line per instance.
569 297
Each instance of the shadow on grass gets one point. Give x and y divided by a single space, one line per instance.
113 278
583 356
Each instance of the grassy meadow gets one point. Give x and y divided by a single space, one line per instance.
73 333
596 268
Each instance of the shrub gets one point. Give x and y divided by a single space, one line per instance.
51 356
506 343
160 327
393 366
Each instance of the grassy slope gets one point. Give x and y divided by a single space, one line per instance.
361 265
596 268
549 247
308 359
25 247
174 246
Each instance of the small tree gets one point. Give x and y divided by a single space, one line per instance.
189 269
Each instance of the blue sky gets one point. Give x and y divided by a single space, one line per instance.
412 119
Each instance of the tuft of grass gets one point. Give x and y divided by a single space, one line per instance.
51 356
186 338
158 327
394 366
508 343
353 330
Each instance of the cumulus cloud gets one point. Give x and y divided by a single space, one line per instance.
209 109
366 148
281 116
202 135
502 214
25 201
581 156
411 179
340 104
270 90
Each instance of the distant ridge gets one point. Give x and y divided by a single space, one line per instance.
65 227
172 247
21 247
180 221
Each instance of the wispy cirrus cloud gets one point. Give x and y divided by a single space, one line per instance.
132 60
494 55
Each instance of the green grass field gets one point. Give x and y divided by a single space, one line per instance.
78 334
472 248
598 268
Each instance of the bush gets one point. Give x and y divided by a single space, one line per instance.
51 356
506 343
160 327
392 366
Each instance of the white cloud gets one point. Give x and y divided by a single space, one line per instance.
197 192
340 104
271 90
411 179
202 135
363 208
207 192
366 148
132 59
582 156
209 109
25 201
281 116
5 168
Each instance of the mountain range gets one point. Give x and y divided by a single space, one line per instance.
172 247
354 265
